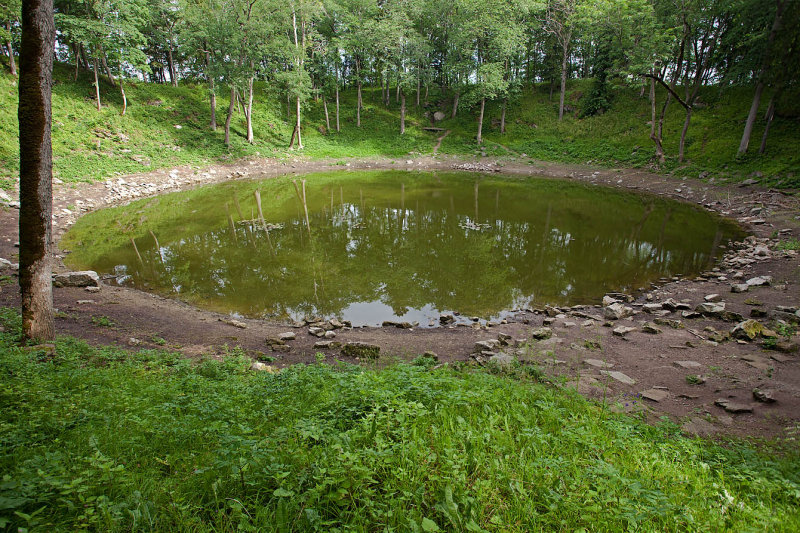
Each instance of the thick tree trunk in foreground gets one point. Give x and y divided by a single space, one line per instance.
480 121
228 118
36 168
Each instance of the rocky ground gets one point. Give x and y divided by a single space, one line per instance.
716 353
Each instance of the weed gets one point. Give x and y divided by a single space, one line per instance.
788 244
159 341
102 321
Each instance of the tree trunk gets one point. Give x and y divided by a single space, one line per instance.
211 93
751 117
77 51
248 113
337 107
12 65
36 169
455 105
96 84
172 76
124 98
564 58
480 121
402 112
503 117
104 62
327 117
358 106
770 115
655 138
288 106
228 118
419 84
299 138
682 145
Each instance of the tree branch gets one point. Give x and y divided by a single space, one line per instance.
668 88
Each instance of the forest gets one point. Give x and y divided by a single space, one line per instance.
474 53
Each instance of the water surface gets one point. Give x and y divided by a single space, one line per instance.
396 245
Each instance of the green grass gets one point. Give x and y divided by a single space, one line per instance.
90 145
99 439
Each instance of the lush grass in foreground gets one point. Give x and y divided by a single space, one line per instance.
102 440
166 126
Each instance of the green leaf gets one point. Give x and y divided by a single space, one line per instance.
429 525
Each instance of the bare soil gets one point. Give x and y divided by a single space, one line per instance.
731 369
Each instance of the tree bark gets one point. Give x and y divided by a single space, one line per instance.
402 112
96 84
228 118
358 104
172 76
36 169
564 59
337 107
12 65
455 105
503 117
248 112
299 138
327 116
77 51
751 117
769 117
419 84
212 94
104 62
480 121
124 98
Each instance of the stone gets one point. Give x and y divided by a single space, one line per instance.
287 336
597 363
759 281
93 289
791 318
785 347
764 395
84 302
710 308
621 331
363 350
733 407
438 116
401 325
758 313
336 324
568 324
674 324
689 315
649 327
749 330
316 331
502 359
786 309
133 341
608 300
651 308
619 376
655 395
447 319
261 367
234 323
283 348
326 345
761 251
617 311
740 287
504 339
688 364
542 333
84 278
274 341
489 345
711 298
329 335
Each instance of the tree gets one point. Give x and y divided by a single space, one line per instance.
36 169
9 17
560 23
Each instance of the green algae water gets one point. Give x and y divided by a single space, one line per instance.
395 245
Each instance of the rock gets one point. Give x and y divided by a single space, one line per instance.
764 395
791 318
284 348
786 309
761 251
749 330
93 289
395 324
649 327
261 367
489 345
502 359
733 407
438 116
759 281
688 364
326 345
288 336
234 323
133 341
84 278
621 331
274 341
710 308
5 263
739 287
542 333
316 331
674 324
568 324
84 302
651 308
329 335
447 319
655 395
689 315
608 300
758 313
785 347
711 298
597 363
619 376
617 311
730 316
504 339
336 324
361 349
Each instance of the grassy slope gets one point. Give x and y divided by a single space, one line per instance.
100 439
90 145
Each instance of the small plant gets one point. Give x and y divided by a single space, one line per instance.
264 358
102 321
693 379
753 301
786 330
788 244
592 344
160 341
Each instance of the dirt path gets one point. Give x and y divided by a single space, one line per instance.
439 142
582 350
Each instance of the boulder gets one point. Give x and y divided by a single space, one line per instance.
750 329
710 308
617 311
621 331
288 336
739 287
542 333
83 278
759 281
438 116
362 350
